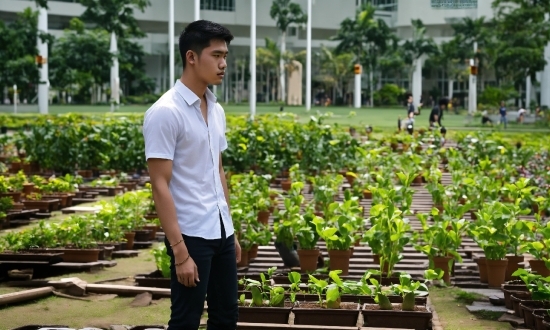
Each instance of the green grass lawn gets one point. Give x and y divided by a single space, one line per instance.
380 118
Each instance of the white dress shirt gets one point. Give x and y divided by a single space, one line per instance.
174 129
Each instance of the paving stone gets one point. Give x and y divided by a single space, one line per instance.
142 300
486 292
485 306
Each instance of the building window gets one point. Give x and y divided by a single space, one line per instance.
220 5
386 5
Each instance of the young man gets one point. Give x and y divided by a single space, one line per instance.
184 136
502 112
437 113
410 110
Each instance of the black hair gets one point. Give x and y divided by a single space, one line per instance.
407 95
197 36
443 102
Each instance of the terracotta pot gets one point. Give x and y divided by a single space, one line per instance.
482 266
496 272
129 239
512 286
367 194
141 235
285 185
539 267
85 173
15 196
244 258
528 308
513 262
253 252
80 255
308 260
152 231
418 179
540 315
28 188
350 179
263 217
339 260
443 263
517 298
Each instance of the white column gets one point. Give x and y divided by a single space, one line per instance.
528 89
15 98
545 78
197 10
450 88
252 93
171 42
357 91
472 90
113 49
308 56
417 81
44 83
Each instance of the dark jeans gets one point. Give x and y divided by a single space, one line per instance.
217 267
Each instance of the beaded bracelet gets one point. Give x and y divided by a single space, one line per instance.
181 263
178 242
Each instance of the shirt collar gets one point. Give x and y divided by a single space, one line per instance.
190 97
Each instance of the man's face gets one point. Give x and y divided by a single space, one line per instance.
211 63
410 99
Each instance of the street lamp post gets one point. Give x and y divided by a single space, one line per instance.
252 96
308 56
171 42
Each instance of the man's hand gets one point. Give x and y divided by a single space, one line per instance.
188 273
238 251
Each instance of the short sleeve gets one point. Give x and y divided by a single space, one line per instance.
160 132
223 139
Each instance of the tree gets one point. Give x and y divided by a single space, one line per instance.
268 59
81 57
522 32
418 46
335 70
115 15
285 13
366 37
133 79
18 52
470 32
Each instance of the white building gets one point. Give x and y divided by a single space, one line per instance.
235 14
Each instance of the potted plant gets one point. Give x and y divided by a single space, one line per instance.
307 237
337 229
329 311
160 278
489 232
285 222
267 303
410 316
441 240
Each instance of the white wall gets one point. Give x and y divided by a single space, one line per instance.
415 9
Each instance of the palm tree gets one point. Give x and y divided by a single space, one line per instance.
470 32
285 13
366 37
268 59
420 45
336 70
